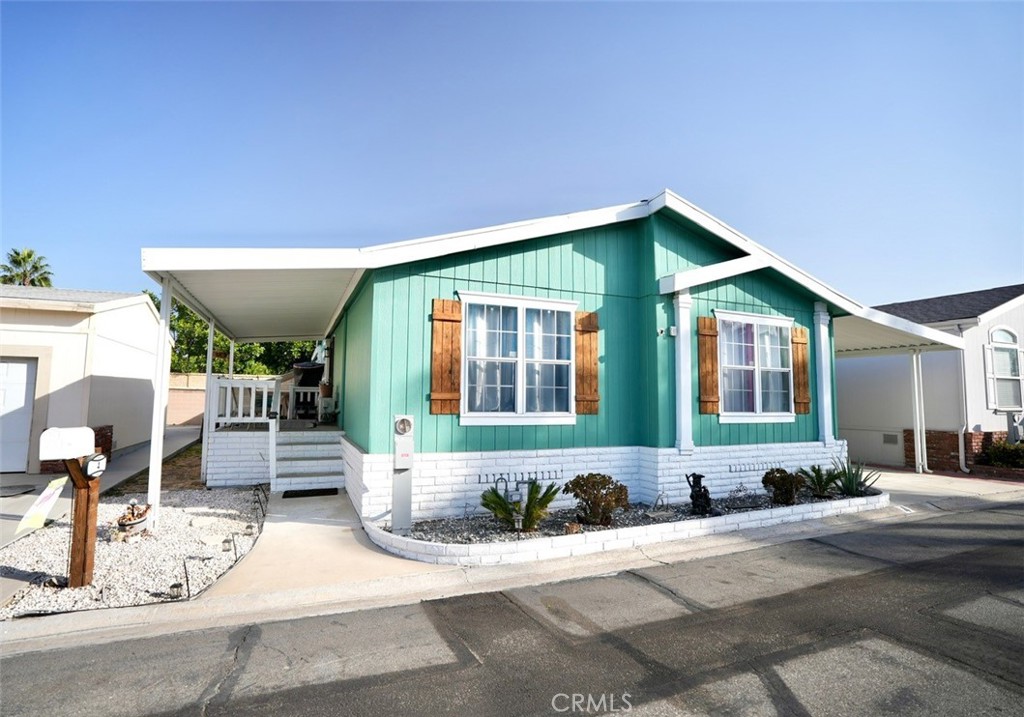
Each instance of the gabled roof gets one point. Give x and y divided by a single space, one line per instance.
85 301
290 293
969 305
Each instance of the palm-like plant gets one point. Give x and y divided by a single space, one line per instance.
819 480
26 268
532 512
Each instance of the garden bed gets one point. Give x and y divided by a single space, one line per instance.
481 540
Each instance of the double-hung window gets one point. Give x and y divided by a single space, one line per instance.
756 364
1003 359
518 360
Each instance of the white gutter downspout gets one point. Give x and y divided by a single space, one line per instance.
920 445
684 374
963 408
160 381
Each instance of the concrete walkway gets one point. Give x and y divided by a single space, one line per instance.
313 559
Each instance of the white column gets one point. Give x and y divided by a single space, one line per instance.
823 367
921 440
915 392
210 392
160 381
231 361
684 373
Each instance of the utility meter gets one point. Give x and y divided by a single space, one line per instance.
404 445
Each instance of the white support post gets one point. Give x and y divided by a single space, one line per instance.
160 381
919 410
231 360
919 452
209 393
684 373
823 367
272 452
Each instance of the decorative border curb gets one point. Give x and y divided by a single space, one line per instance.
596 541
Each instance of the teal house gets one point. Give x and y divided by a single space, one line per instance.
647 341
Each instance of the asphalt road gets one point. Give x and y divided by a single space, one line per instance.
921 618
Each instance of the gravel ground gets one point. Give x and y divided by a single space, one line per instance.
487 529
193 524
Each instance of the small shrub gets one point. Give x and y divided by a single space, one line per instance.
533 511
597 497
1005 455
783 485
852 480
819 480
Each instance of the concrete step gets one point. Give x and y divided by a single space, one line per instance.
308 437
294 451
311 466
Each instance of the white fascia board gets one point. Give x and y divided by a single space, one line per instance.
445 244
249 259
72 307
994 312
909 327
706 274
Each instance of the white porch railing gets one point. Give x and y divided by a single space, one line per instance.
241 400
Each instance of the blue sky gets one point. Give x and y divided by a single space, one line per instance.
879 146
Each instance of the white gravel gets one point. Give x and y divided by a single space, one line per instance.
193 524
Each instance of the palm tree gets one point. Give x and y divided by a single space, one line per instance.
26 268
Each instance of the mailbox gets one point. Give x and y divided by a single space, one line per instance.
404 443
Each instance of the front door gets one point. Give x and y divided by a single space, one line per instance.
17 393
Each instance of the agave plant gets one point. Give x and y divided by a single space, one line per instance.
819 480
533 510
852 479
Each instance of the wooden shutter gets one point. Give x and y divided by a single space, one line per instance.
587 395
801 371
445 356
707 363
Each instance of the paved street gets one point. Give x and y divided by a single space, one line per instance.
920 618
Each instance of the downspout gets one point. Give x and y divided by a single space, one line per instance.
963 408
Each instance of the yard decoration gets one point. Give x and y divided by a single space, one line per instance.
700 497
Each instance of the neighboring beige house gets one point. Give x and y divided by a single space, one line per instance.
73 358
969 398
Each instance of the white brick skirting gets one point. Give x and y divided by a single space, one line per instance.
238 458
596 541
450 484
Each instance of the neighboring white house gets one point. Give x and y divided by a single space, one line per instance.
73 358
967 398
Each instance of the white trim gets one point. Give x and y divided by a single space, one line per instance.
823 365
757 418
683 280
161 380
684 373
160 261
766 319
345 296
517 419
521 417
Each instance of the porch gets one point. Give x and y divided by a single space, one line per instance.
268 430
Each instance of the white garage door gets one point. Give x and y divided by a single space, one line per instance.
17 392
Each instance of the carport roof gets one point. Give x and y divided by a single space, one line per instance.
290 293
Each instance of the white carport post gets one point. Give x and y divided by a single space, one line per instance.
917 389
211 394
823 366
231 361
160 381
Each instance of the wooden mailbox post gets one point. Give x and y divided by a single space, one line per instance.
75 447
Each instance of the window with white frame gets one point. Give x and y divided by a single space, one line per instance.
755 360
518 360
1003 359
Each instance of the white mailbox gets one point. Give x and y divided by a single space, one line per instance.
56 444
404 442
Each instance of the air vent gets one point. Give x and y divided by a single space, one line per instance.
889 439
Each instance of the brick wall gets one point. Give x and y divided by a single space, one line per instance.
450 484
943 447
104 444
238 458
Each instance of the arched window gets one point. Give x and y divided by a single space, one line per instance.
1003 363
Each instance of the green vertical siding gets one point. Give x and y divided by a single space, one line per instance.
612 270
357 365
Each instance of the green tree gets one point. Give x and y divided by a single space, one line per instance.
26 268
190 335
278 356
